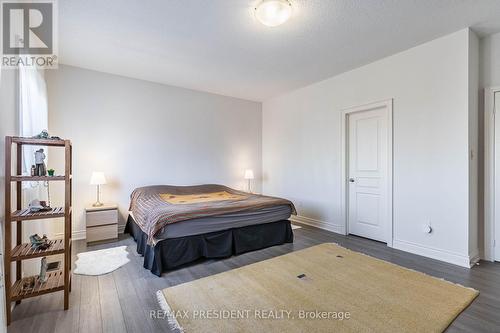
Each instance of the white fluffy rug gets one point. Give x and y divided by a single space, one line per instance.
101 261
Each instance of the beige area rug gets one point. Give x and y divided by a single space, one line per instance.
325 288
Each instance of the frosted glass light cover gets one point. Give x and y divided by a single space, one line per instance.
273 12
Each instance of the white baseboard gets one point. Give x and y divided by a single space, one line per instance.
434 253
430 252
474 257
76 235
339 229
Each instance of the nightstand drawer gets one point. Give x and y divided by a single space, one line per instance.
102 232
102 217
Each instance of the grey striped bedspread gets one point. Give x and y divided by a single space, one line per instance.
152 212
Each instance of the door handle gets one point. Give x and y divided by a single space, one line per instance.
351 180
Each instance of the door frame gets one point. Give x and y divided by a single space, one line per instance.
491 182
345 163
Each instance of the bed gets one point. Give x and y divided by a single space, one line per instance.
176 225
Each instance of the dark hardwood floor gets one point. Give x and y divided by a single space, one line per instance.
121 301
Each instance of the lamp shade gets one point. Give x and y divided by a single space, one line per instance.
97 178
249 174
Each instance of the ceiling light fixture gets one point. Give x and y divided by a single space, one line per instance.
273 12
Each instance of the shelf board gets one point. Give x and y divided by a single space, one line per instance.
37 178
55 282
38 142
25 251
25 214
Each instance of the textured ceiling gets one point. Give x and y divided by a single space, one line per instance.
218 46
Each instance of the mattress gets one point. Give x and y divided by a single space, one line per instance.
215 223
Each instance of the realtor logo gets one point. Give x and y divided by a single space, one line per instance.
29 33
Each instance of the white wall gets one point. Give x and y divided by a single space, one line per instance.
473 80
429 85
490 61
141 133
8 126
489 77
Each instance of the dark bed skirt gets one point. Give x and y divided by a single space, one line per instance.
174 252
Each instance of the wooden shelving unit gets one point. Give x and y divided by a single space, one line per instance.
56 281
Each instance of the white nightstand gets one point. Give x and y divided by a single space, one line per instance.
102 222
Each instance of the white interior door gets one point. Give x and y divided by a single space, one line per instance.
368 173
497 176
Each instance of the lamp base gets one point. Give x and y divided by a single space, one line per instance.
98 203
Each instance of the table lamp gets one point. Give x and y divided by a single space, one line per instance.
98 179
249 176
